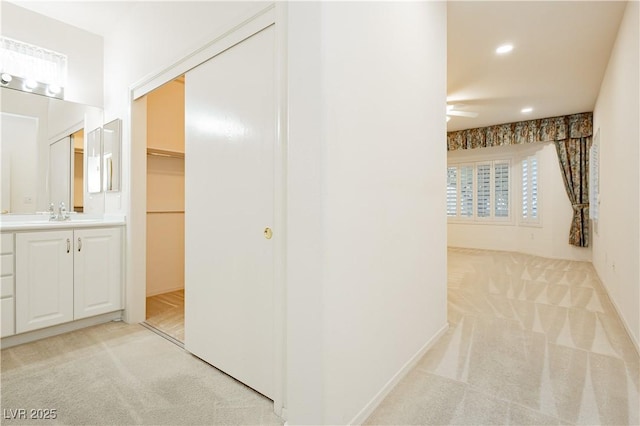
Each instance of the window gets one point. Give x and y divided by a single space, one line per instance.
501 190
530 190
466 191
452 191
484 190
478 191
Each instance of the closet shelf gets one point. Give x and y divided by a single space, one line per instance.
164 153
165 212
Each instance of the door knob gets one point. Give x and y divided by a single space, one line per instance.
268 233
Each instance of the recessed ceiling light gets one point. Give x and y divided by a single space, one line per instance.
505 48
526 110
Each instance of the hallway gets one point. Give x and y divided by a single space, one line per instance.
531 341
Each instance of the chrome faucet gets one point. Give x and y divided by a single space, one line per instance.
63 214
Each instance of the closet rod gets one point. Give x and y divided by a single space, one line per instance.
164 153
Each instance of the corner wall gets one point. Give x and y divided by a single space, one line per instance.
367 134
616 248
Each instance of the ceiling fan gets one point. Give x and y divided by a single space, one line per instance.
452 111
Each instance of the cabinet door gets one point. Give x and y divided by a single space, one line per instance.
44 279
97 271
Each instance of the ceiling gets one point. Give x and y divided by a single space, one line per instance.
560 53
96 17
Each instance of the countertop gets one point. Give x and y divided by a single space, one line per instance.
28 222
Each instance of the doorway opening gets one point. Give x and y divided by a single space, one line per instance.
77 144
165 210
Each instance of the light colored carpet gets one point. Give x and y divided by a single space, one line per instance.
120 374
532 341
166 313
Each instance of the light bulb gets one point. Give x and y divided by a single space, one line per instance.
505 48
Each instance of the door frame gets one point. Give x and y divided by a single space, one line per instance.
267 15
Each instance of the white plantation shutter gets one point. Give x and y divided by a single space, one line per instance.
501 190
479 191
483 190
466 191
452 191
530 189
525 188
534 187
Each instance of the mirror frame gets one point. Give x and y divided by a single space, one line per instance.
111 155
93 158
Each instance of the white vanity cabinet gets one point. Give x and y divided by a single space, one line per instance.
66 275
7 278
44 279
97 271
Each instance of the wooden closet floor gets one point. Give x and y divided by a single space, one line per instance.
166 313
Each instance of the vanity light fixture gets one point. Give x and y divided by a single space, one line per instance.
504 49
526 110
32 68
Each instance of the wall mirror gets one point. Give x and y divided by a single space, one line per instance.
111 143
42 151
94 161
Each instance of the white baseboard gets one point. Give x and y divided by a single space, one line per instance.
622 318
388 387
31 336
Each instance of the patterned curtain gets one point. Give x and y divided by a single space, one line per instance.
573 154
542 130
572 137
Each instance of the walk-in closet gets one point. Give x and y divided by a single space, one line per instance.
165 209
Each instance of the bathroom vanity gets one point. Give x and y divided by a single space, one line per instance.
59 275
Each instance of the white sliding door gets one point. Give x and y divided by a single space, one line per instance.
229 201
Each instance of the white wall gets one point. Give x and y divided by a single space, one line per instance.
306 204
83 49
616 252
368 124
549 238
